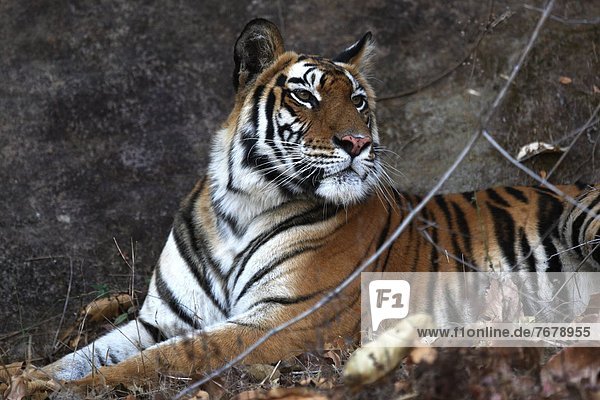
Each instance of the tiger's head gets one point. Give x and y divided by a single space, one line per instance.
302 125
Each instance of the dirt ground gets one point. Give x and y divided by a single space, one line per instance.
107 109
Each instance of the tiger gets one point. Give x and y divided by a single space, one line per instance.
295 198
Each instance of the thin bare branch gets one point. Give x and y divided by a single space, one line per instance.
566 21
590 122
452 68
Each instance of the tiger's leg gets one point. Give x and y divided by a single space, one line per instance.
119 344
206 350
123 341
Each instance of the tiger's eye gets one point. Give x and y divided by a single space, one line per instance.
303 95
358 100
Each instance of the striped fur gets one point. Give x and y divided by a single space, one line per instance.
294 200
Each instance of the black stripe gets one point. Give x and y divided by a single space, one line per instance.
249 139
230 186
270 133
270 267
542 190
591 207
154 331
113 358
469 197
261 162
332 317
174 305
526 251
413 228
549 212
256 102
229 220
441 202
463 227
315 214
577 227
433 256
323 80
100 357
399 198
281 80
497 198
299 81
308 71
552 253
581 185
192 247
504 228
517 194
285 301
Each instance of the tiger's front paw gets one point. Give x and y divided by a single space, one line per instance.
69 368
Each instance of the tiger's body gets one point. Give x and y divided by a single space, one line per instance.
292 203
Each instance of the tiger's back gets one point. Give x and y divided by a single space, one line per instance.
503 228
295 199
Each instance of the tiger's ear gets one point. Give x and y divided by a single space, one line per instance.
359 54
259 44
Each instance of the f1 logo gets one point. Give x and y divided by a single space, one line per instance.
389 299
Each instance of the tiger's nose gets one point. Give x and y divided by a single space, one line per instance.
352 144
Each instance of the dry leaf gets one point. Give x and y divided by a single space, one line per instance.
335 356
565 80
17 389
536 148
107 308
10 370
374 360
29 382
260 372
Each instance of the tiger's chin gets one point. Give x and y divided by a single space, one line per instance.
346 187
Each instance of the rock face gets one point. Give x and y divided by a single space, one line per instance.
107 110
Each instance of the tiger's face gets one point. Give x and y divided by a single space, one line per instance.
306 124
